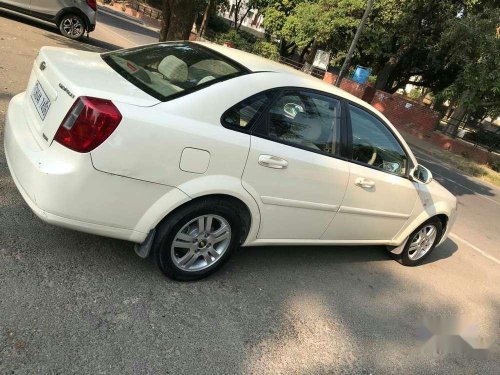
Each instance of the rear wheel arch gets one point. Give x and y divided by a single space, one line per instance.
75 11
243 210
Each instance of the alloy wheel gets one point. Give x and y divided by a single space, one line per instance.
201 243
422 242
73 27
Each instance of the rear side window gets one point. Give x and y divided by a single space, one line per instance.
243 115
305 119
169 70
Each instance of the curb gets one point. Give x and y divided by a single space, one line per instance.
119 14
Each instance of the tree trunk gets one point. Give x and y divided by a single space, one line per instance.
305 56
458 115
178 19
242 19
383 77
384 81
166 20
237 6
284 48
205 17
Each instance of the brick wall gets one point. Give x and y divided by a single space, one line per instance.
405 114
460 147
412 117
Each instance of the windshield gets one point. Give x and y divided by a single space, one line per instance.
168 70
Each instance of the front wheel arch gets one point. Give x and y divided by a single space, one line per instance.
397 250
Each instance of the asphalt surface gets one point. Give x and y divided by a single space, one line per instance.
77 303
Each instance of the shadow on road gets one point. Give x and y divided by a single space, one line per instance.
269 310
125 25
458 183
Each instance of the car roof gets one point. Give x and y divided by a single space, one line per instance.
256 63
249 60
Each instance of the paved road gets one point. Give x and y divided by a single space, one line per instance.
122 31
76 303
478 223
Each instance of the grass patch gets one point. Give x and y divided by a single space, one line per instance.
483 172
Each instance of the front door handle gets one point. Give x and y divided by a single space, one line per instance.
364 183
272 162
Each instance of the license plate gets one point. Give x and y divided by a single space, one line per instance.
40 100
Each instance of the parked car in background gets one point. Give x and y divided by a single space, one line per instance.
73 17
191 150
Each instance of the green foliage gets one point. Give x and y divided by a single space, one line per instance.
403 31
238 39
415 94
218 25
474 46
246 42
495 165
266 49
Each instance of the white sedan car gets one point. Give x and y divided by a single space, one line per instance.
191 150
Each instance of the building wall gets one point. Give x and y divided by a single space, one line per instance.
253 20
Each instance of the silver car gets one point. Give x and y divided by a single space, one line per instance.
73 17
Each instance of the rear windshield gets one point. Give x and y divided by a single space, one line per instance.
168 70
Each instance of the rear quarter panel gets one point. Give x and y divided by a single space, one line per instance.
149 141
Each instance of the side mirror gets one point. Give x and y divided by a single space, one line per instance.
421 174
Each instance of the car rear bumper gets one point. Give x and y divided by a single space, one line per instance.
63 188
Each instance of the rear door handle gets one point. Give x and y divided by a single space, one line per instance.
272 162
364 183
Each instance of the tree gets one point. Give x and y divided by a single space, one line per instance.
474 43
204 22
402 42
276 14
178 19
247 6
398 41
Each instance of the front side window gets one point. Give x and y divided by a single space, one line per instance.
168 69
305 119
374 145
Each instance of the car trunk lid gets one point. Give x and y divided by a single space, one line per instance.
59 76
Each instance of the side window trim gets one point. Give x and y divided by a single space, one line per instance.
350 145
256 119
264 126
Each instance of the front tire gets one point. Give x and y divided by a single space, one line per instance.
421 243
197 240
72 26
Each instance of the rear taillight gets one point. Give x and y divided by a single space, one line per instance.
92 4
89 122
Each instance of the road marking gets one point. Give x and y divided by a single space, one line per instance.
459 184
483 253
466 188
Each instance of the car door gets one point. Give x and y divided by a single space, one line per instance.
21 6
293 169
379 197
49 8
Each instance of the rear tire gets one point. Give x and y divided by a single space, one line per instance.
421 243
197 240
72 26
